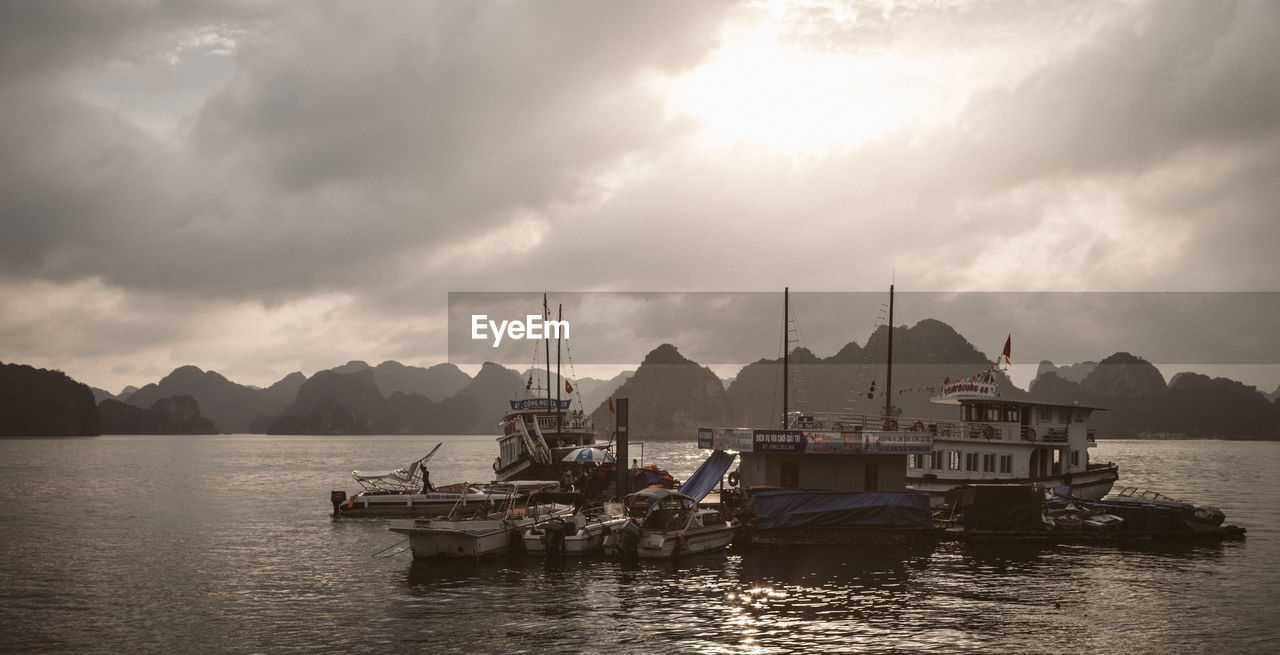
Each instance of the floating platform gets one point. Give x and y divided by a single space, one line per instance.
1223 533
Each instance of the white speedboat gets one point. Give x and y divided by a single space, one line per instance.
673 524
579 534
477 536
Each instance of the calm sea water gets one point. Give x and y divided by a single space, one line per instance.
225 544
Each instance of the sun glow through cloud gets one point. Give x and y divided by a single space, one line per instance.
765 89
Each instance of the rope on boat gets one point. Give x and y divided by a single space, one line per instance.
402 543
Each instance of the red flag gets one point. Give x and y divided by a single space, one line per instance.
568 388
611 411
1008 343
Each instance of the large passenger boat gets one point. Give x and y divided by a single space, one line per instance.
997 440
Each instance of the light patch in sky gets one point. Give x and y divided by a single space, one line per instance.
761 89
162 93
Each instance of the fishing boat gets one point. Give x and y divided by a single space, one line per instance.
458 535
672 524
538 431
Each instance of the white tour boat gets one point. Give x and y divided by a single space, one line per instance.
998 440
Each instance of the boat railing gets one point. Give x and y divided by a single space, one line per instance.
564 422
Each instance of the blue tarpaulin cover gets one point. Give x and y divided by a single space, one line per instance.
708 475
794 508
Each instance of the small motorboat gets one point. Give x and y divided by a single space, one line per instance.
673 524
481 533
1197 518
580 534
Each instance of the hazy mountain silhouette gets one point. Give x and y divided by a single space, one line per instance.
669 397
232 407
176 415
435 383
1138 401
1070 372
36 402
854 379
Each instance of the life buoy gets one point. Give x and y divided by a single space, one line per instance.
918 426
988 432
734 478
891 425
1031 434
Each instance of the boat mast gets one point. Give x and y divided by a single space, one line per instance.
786 318
888 381
546 315
559 378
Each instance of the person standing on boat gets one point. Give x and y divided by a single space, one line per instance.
426 482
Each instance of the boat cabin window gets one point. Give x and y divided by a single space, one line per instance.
972 412
1006 463
988 463
1011 414
971 461
953 460
1046 414
993 413
935 460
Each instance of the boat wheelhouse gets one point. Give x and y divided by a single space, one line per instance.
537 433
997 440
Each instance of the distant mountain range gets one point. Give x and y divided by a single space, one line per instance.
670 395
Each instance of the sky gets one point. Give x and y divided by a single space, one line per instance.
259 188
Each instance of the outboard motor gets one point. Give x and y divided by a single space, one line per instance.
337 498
554 530
629 541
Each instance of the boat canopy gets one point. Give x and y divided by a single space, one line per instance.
708 475
641 502
795 508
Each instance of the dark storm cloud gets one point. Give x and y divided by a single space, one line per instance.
344 140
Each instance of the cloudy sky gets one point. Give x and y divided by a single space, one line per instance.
258 188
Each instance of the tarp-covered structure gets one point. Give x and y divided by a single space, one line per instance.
708 475
797 508
1005 507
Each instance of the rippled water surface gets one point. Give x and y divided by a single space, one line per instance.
225 544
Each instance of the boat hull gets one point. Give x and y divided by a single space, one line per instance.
662 544
586 541
459 539
1092 484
